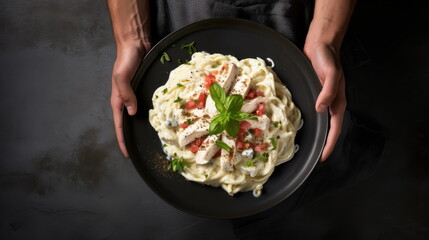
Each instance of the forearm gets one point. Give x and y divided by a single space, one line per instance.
130 22
329 24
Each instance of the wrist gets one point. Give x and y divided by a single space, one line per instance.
322 33
137 45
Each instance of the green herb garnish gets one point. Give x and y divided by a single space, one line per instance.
273 142
180 85
177 165
164 145
263 157
249 163
188 121
276 124
190 48
229 108
164 57
156 96
223 145
165 90
179 99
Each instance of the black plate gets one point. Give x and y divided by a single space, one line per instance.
241 39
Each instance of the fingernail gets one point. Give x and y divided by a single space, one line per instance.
130 110
321 108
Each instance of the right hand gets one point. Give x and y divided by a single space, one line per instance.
127 61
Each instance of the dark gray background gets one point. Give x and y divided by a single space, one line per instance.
62 175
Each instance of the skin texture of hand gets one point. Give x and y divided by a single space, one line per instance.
125 66
131 29
322 47
327 65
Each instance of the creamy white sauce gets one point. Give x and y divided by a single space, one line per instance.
279 108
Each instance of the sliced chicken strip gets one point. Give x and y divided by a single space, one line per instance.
195 130
227 158
207 150
224 78
262 123
241 86
251 105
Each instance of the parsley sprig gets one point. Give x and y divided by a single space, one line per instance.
229 108
177 165
190 48
164 57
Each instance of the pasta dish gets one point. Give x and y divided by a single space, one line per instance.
225 122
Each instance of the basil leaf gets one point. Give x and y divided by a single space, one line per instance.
223 145
220 107
233 103
215 126
218 95
241 116
232 128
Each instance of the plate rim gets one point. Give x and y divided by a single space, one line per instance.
220 22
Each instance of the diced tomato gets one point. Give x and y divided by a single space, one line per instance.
241 145
199 141
217 154
209 79
260 109
195 145
240 135
251 94
193 148
261 147
244 125
184 125
191 104
257 131
201 101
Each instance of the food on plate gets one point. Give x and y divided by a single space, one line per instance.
225 122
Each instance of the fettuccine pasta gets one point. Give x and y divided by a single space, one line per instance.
182 111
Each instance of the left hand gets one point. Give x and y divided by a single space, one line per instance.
326 62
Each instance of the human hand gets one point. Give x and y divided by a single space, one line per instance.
326 62
127 61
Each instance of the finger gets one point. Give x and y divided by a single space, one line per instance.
117 119
123 72
337 116
329 91
127 97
